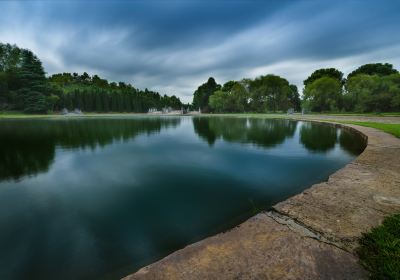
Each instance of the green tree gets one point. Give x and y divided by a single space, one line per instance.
232 98
3 90
325 72
52 101
218 101
394 91
380 69
202 94
85 78
269 93
23 86
239 96
35 102
227 87
98 82
294 98
98 102
373 93
33 83
323 94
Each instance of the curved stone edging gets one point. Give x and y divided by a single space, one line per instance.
311 235
356 197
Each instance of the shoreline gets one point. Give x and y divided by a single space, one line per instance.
313 233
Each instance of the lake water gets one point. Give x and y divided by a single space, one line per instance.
97 198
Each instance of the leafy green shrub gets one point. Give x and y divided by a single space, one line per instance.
379 250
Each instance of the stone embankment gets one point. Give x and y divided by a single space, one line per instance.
311 235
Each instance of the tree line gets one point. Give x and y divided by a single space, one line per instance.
265 93
370 88
25 87
93 94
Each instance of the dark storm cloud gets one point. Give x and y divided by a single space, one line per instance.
172 46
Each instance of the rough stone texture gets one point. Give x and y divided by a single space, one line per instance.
260 248
309 236
354 199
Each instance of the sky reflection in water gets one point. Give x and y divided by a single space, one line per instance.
99 198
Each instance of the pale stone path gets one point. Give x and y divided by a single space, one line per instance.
311 235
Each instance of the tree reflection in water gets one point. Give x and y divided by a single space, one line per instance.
27 147
318 137
261 132
315 137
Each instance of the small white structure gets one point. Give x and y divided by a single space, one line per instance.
185 110
67 113
290 111
166 110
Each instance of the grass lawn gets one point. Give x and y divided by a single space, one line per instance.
393 129
18 115
391 114
379 250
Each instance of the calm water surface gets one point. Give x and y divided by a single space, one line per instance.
99 198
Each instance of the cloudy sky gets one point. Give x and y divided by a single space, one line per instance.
173 46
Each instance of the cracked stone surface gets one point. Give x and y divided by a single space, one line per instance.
260 248
311 235
355 198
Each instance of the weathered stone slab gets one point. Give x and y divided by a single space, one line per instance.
260 248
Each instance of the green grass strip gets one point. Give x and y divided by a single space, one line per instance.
379 250
391 128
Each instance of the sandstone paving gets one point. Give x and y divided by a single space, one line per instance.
356 198
260 248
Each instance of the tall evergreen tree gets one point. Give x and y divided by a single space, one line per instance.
33 83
